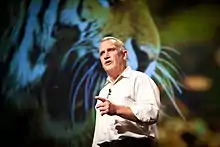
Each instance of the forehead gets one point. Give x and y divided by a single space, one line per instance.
107 44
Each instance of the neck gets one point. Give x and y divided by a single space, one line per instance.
115 74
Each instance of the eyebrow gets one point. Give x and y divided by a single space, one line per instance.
108 49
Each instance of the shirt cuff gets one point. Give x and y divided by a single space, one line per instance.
145 113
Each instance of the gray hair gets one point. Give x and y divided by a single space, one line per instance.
119 43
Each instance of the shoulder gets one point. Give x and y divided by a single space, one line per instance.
141 77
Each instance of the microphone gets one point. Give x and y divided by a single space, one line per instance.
109 93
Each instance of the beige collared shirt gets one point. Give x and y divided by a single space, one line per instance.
137 91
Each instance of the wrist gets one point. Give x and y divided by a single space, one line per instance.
117 110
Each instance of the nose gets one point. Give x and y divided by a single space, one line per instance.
106 56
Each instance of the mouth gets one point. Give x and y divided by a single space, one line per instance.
108 62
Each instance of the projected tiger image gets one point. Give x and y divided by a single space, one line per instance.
51 71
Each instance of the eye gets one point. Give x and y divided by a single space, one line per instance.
101 53
111 49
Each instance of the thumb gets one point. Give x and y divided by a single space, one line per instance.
100 98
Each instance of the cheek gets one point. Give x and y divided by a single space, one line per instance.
118 60
115 60
102 61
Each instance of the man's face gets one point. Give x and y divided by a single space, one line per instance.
111 56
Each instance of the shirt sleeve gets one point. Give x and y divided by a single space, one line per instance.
147 99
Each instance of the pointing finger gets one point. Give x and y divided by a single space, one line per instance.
100 105
100 98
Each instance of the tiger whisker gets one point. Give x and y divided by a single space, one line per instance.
169 91
169 64
78 86
86 98
63 62
75 76
170 49
168 75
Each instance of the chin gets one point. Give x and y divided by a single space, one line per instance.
108 68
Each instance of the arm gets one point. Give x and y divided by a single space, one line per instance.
145 108
126 112
147 99
106 107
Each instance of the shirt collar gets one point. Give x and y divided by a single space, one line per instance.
126 74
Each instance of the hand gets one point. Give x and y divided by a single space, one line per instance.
106 107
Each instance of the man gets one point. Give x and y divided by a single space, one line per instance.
128 105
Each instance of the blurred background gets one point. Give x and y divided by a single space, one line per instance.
50 69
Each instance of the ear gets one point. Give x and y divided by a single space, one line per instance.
125 55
